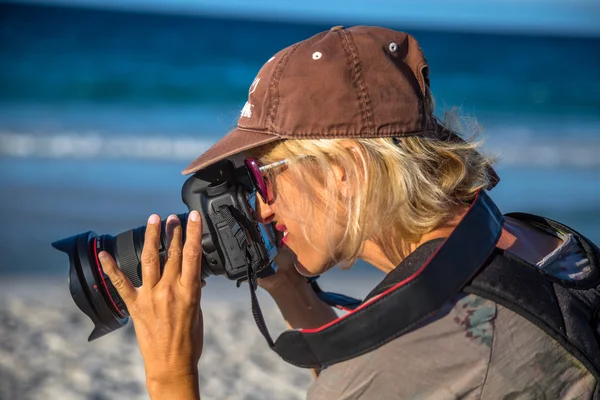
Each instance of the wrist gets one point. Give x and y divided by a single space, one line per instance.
161 386
167 376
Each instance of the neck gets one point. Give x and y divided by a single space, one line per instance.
374 254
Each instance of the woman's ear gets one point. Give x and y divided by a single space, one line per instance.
341 180
346 186
339 172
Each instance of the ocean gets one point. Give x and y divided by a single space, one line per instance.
101 110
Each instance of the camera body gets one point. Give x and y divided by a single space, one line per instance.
232 239
232 242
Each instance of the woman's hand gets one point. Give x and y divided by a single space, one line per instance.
166 310
286 274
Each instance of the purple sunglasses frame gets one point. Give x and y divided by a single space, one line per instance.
256 173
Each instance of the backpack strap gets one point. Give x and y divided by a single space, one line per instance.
568 311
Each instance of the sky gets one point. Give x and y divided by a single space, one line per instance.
561 17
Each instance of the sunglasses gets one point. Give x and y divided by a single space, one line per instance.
257 171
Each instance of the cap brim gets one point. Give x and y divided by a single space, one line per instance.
234 142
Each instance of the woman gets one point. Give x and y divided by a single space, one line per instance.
355 166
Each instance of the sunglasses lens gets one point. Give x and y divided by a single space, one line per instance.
269 235
257 178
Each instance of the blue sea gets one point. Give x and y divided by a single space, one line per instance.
101 110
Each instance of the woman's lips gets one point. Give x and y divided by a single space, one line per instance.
284 239
280 227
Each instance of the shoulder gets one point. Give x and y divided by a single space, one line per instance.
444 357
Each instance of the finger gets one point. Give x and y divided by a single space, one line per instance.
150 255
192 252
123 285
174 232
169 226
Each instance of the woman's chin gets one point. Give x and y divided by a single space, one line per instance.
302 269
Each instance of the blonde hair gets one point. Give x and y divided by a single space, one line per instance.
401 188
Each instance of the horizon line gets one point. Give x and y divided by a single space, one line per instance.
576 18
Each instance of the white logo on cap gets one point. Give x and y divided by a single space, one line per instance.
247 110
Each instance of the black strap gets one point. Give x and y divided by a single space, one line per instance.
410 302
251 271
256 311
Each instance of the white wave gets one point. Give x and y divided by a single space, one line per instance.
583 152
550 154
89 146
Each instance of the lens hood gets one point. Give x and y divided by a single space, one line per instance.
87 283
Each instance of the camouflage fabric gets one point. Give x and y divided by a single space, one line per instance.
473 349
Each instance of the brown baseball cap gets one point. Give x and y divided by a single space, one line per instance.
359 82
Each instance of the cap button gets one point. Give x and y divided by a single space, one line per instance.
337 28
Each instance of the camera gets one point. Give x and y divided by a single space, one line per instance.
234 244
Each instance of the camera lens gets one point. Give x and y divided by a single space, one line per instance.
90 287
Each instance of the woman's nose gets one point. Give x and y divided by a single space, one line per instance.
264 213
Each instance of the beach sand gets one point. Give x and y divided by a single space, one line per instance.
44 353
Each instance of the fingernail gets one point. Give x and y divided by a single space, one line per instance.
195 216
172 217
154 219
103 258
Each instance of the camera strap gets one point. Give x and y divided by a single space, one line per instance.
411 293
233 213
